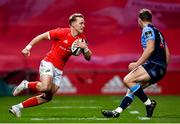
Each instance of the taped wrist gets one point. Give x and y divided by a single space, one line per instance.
86 50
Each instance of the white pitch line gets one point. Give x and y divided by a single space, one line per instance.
144 118
53 119
134 112
73 107
73 101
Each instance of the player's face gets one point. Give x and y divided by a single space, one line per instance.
79 25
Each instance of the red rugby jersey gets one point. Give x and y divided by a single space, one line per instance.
61 47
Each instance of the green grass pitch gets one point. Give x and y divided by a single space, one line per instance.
87 109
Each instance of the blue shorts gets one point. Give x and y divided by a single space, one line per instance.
155 71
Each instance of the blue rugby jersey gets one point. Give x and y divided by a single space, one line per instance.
159 55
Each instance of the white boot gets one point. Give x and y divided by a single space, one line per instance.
15 111
22 86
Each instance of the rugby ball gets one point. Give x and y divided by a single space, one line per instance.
75 50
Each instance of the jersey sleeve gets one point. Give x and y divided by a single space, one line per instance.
149 34
57 34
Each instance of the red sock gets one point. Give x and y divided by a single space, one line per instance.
32 85
30 102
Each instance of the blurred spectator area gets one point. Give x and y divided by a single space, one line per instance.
111 29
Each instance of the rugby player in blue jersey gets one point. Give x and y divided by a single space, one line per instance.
148 69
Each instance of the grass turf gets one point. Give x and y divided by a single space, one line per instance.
87 109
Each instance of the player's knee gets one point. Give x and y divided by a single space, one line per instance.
47 96
44 87
126 80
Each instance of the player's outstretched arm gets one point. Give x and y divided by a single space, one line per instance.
39 38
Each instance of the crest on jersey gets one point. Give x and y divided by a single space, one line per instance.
148 34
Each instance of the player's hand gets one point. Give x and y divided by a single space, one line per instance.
82 44
132 66
26 52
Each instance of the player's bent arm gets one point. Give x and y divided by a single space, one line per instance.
167 54
87 54
86 51
147 52
39 38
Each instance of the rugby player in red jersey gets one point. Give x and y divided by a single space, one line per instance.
51 67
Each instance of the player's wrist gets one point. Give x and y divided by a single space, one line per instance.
86 50
28 47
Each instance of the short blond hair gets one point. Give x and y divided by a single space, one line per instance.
73 17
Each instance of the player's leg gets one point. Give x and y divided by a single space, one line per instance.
36 86
127 100
46 75
137 75
49 86
46 96
130 81
50 78
25 85
140 75
44 85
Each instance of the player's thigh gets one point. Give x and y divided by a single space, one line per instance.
57 79
137 75
46 79
155 71
46 83
46 74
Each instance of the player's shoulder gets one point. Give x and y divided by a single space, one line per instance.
63 29
58 29
148 32
148 29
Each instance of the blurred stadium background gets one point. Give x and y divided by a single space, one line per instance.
112 33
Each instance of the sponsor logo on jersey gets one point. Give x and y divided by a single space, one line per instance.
148 34
48 70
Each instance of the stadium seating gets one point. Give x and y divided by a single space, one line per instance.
111 30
